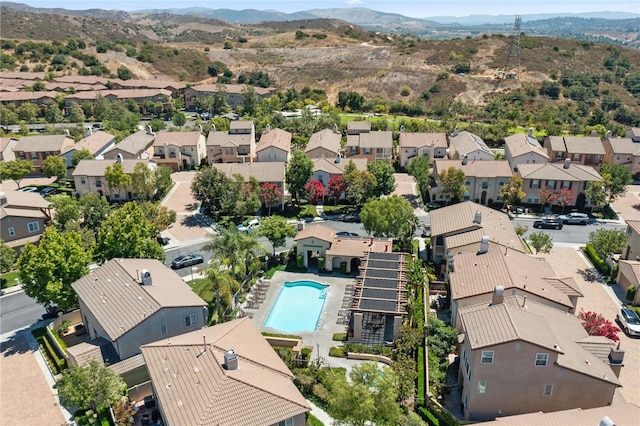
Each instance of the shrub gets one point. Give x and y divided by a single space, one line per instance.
597 261
343 267
313 421
340 337
300 262
336 352
321 263
631 293
321 392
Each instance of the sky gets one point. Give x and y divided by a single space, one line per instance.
411 8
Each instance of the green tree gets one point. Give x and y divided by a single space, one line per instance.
53 114
179 119
211 188
620 178
541 241
511 192
223 285
419 169
54 166
65 209
276 229
359 184
7 257
382 171
143 181
608 241
299 171
116 178
27 112
48 269
249 100
388 217
128 233
124 73
15 170
219 103
94 209
596 191
161 216
163 181
230 247
76 114
520 229
453 183
79 155
90 386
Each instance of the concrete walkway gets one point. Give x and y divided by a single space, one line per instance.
320 414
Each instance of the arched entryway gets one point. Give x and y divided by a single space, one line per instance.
483 198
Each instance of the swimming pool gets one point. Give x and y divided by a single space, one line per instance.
298 307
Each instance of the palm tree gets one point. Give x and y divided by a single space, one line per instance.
225 247
251 249
220 282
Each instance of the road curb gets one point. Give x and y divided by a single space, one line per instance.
10 290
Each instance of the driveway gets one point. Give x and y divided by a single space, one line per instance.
628 206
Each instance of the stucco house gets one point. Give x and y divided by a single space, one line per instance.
97 143
180 150
415 144
237 145
373 145
226 374
37 148
263 172
484 179
139 96
89 176
585 150
6 148
633 133
137 146
274 146
629 275
324 144
623 151
519 356
467 144
325 168
23 217
632 248
19 98
524 149
234 94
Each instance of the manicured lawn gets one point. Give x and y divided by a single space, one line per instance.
9 279
199 287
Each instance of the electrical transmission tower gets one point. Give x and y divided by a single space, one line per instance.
514 49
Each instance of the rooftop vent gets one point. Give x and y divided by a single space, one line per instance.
606 421
267 128
145 277
149 130
465 160
338 158
477 218
213 127
567 163
200 127
402 129
484 245
498 295
119 158
455 131
230 360
530 132
608 134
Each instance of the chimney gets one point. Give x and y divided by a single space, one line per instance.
594 133
530 132
477 218
465 160
371 241
119 158
608 134
335 128
567 163
200 127
498 295
89 131
145 277
455 131
616 356
149 130
267 128
484 245
230 360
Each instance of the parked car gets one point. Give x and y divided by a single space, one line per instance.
249 227
629 321
187 260
574 218
347 234
433 205
56 311
28 189
45 192
351 218
548 224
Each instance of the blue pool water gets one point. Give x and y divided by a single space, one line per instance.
298 307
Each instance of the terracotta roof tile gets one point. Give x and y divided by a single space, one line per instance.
99 167
621 414
327 139
520 144
556 171
263 172
319 231
465 143
421 139
276 138
477 168
177 138
93 143
42 143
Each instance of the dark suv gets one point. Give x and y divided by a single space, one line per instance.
548 224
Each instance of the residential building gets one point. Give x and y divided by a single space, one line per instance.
540 180
623 151
23 217
238 145
173 86
524 149
467 144
180 150
372 145
97 143
461 227
273 173
226 374
324 144
127 303
473 276
632 248
584 150
234 92
137 146
89 176
37 148
139 96
414 144
519 356
6 148
19 98
326 168
633 133
274 146
484 179
629 275
619 414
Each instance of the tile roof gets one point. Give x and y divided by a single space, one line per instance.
194 388
476 274
26 96
224 138
330 166
633 266
42 143
576 144
376 139
99 167
458 218
634 225
520 144
276 138
99 349
515 319
466 143
84 79
421 139
622 414
30 200
358 246
4 142
229 88
93 143
477 168
556 171
151 84
135 143
119 303
177 138
24 75
634 131
21 212
119 94
127 364
624 146
319 231
327 139
263 172
359 125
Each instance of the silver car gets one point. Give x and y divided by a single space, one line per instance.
629 321
574 218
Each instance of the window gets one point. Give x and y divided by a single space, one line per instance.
83 181
482 386
541 360
485 185
12 231
163 330
34 156
33 226
468 182
98 183
287 422
535 184
548 390
487 357
190 320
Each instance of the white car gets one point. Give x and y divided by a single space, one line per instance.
629 321
574 218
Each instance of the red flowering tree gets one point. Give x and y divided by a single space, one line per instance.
269 194
546 196
336 187
315 189
597 325
565 197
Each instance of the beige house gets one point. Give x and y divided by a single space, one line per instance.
226 374
274 146
473 276
89 176
37 148
585 150
6 148
467 144
461 227
420 144
263 172
620 414
524 149
180 150
519 356
23 217
633 133
326 168
19 98
374 145
484 179
234 94
632 249
324 144
97 143
127 303
629 275
139 96
556 177
238 145
134 147
623 151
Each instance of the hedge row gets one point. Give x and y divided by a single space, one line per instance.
362 349
59 364
597 261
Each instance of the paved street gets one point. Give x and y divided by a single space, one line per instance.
17 311
577 234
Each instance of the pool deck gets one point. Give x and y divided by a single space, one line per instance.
321 338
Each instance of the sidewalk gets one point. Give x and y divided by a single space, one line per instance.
320 414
